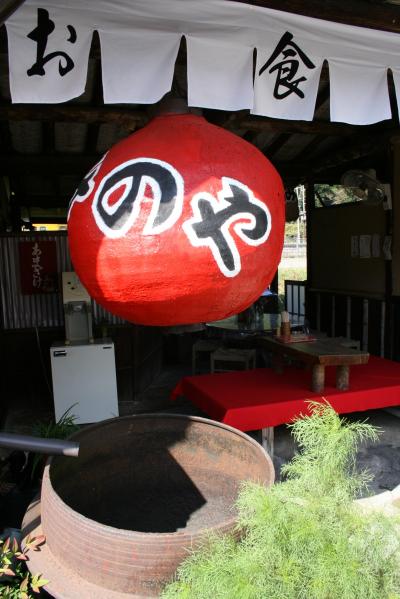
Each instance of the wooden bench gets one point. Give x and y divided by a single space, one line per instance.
228 359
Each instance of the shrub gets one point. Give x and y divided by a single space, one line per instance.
303 538
16 582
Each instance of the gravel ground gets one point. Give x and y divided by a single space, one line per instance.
382 459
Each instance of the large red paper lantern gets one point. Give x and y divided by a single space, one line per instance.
181 222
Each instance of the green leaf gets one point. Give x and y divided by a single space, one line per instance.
21 556
35 542
37 582
24 583
15 546
42 582
7 571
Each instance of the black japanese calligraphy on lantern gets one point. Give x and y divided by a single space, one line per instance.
284 62
86 186
40 35
119 197
237 211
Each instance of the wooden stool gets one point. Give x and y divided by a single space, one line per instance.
202 345
244 357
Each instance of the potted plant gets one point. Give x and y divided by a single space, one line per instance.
16 582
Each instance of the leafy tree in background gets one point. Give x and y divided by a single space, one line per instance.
334 195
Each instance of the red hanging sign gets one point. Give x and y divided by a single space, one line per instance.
38 267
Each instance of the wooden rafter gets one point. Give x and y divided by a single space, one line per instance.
309 127
46 165
124 117
360 147
374 15
313 144
130 119
50 201
276 144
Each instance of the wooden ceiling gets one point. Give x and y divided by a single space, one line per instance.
45 150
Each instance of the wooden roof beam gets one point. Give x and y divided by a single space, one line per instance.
276 144
309 127
53 201
124 117
47 165
362 147
130 119
373 15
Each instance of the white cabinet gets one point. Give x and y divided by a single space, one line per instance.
84 374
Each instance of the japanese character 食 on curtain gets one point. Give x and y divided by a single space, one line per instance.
49 45
181 222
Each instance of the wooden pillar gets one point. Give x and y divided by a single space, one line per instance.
396 216
309 207
393 266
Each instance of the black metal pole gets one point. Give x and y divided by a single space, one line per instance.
39 445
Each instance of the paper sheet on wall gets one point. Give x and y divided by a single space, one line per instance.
387 247
376 246
387 201
355 248
365 246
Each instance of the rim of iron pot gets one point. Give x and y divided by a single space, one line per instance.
170 535
62 579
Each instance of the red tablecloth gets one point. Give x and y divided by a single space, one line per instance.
255 399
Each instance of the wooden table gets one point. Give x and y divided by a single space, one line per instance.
317 354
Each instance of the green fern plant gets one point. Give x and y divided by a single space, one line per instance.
63 428
304 538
